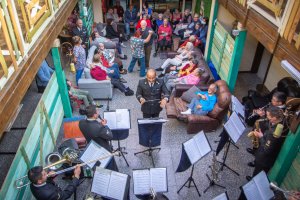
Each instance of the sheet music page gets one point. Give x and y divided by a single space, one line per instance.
251 191
237 106
192 151
101 181
158 179
202 143
221 197
141 181
117 185
122 119
111 119
231 130
237 123
263 185
94 151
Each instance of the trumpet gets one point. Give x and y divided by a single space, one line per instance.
19 183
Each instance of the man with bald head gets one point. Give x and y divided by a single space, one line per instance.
152 95
82 32
147 46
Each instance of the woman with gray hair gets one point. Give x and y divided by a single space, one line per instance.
185 53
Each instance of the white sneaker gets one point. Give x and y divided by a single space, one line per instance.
187 112
122 44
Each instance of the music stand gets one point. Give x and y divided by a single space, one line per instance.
223 196
258 188
195 149
119 122
150 135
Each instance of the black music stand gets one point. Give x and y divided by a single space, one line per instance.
150 135
120 135
188 158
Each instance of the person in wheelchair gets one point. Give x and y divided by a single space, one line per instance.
164 36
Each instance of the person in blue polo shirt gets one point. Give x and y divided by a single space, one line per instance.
203 105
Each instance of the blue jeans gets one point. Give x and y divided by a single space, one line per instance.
127 28
143 65
78 75
116 73
193 106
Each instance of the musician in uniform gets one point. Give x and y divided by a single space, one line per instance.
152 94
44 188
92 129
269 141
82 32
278 100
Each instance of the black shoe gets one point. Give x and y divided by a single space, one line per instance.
155 54
159 69
251 164
248 178
124 58
129 92
122 80
251 151
99 106
161 75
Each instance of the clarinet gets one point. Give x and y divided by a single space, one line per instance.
254 114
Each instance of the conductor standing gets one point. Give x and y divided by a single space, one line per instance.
152 95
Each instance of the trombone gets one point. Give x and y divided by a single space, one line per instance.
19 183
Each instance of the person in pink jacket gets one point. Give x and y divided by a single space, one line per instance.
164 35
192 79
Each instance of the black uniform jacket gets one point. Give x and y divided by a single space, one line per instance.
152 95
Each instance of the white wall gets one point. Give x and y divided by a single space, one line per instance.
276 72
248 53
97 10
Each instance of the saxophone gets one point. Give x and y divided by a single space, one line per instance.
255 140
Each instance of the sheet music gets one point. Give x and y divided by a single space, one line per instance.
141 181
123 118
251 192
101 181
94 151
117 185
151 121
222 196
111 119
192 151
237 106
119 119
234 127
158 179
263 185
202 143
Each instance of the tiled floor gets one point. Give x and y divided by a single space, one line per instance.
173 135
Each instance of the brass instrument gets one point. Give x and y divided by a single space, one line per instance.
19 183
152 194
255 140
287 194
254 114
214 169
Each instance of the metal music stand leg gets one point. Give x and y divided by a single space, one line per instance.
223 164
122 152
212 183
189 182
149 150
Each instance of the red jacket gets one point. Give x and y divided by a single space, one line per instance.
165 29
104 61
98 73
139 23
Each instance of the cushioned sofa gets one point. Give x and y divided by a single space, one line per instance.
195 123
98 89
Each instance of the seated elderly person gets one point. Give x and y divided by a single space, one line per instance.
145 18
108 43
111 33
193 39
43 76
203 105
98 73
164 36
186 19
188 49
190 26
193 31
107 57
192 79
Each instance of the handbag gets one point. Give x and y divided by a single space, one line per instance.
72 68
